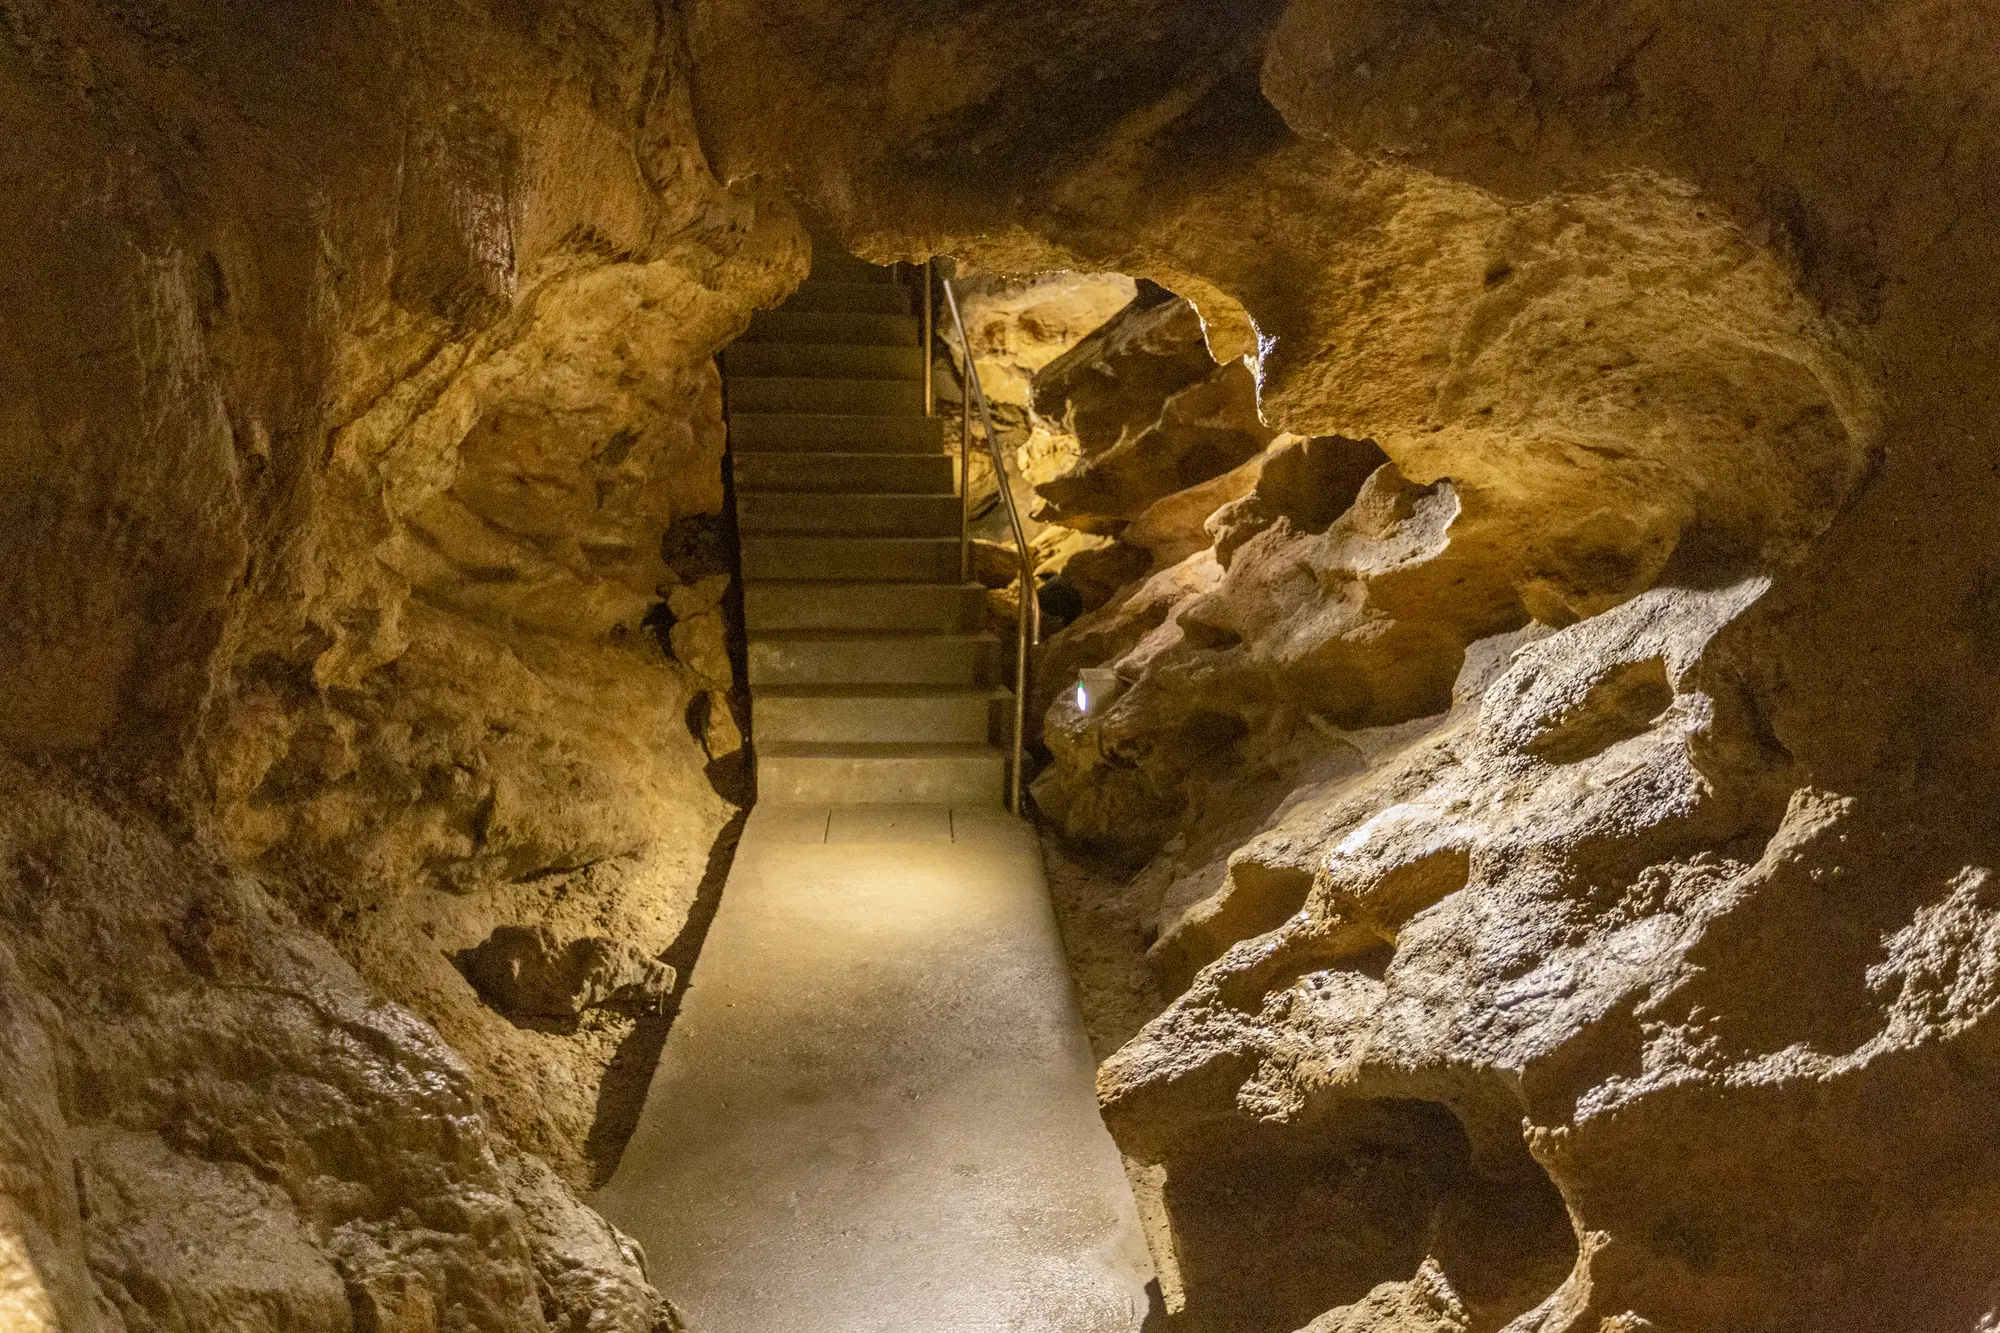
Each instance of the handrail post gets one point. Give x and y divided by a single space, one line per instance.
965 492
930 385
1028 613
964 454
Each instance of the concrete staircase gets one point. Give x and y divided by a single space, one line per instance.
872 678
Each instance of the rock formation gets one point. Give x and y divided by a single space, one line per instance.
355 366
526 973
1152 413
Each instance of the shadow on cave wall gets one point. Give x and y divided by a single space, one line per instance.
1276 1224
706 544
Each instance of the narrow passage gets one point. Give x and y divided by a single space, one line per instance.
875 1111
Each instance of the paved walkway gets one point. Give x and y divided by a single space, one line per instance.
874 1113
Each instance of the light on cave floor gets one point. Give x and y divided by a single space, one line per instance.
875 1109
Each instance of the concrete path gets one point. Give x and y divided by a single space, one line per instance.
875 1113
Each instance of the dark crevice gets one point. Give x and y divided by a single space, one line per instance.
1276 1224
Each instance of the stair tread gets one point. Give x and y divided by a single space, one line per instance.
865 605
815 379
916 496
842 417
795 359
864 635
841 287
875 691
848 515
836 455
836 537
822 432
854 330
826 585
876 749
816 295
762 540
817 472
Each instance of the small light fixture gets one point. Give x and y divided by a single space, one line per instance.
1096 687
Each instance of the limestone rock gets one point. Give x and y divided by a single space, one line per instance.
1151 410
250 1137
1308 483
354 373
1360 624
1019 325
527 972
1424 1304
1175 526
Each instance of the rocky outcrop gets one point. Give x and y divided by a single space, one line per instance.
525 972
213 1122
355 366
1019 325
1361 624
1151 411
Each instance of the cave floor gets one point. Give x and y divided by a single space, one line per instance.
875 1112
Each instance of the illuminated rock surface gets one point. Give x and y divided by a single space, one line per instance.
1595 811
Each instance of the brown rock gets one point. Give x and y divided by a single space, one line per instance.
1309 484
1019 325
526 972
1151 410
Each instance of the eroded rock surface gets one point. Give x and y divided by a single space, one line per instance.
214 1122
1151 411
527 972
355 365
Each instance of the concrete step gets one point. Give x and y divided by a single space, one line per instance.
785 432
805 395
860 559
812 657
848 515
849 298
881 774
828 715
847 361
848 474
799 326
938 608
831 264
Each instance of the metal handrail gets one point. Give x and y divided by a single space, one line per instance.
1027 629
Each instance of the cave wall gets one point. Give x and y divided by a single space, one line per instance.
365 587
1612 770
1572 856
